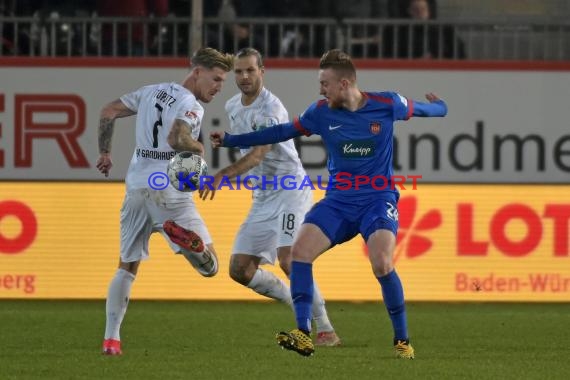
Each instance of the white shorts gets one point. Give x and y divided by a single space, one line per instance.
272 224
144 211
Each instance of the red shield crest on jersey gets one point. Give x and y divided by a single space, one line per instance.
191 115
375 128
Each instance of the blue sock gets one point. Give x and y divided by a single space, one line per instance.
393 294
302 293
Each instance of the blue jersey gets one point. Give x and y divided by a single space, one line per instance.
361 198
359 143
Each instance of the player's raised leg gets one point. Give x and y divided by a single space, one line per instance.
381 246
205 262
187 239
202 256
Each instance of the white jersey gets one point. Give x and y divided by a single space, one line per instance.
283 159
157 107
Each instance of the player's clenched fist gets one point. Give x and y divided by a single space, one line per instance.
217 138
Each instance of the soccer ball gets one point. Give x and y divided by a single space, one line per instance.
184 171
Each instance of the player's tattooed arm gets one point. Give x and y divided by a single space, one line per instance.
180 138
105 134
115 109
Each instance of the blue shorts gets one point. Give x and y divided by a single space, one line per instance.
341 219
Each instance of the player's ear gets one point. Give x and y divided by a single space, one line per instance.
201 70
195 72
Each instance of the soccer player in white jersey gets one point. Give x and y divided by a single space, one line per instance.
276 213
168 118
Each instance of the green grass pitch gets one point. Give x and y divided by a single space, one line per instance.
235 340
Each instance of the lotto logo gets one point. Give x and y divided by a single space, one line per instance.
12 245
478 230
411 241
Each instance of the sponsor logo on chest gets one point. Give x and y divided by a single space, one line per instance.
357 149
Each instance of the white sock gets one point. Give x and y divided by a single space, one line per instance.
320 312
117 301
269 285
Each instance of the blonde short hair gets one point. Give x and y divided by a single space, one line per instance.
340 62
209 58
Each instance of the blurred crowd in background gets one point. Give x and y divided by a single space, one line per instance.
403 29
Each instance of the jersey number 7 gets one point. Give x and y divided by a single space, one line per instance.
157 124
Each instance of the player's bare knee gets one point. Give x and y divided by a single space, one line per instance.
382 268
240 273
298 253
131 267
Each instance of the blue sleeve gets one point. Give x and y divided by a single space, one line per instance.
405 108
437 108
401 106
308 121
278 133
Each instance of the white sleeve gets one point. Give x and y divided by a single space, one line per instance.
190 111
132 99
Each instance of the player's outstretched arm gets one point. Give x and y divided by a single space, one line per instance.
252 159
273 135
435 107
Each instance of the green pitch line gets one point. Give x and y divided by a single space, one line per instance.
235 340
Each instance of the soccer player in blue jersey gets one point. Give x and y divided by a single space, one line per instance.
357 130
